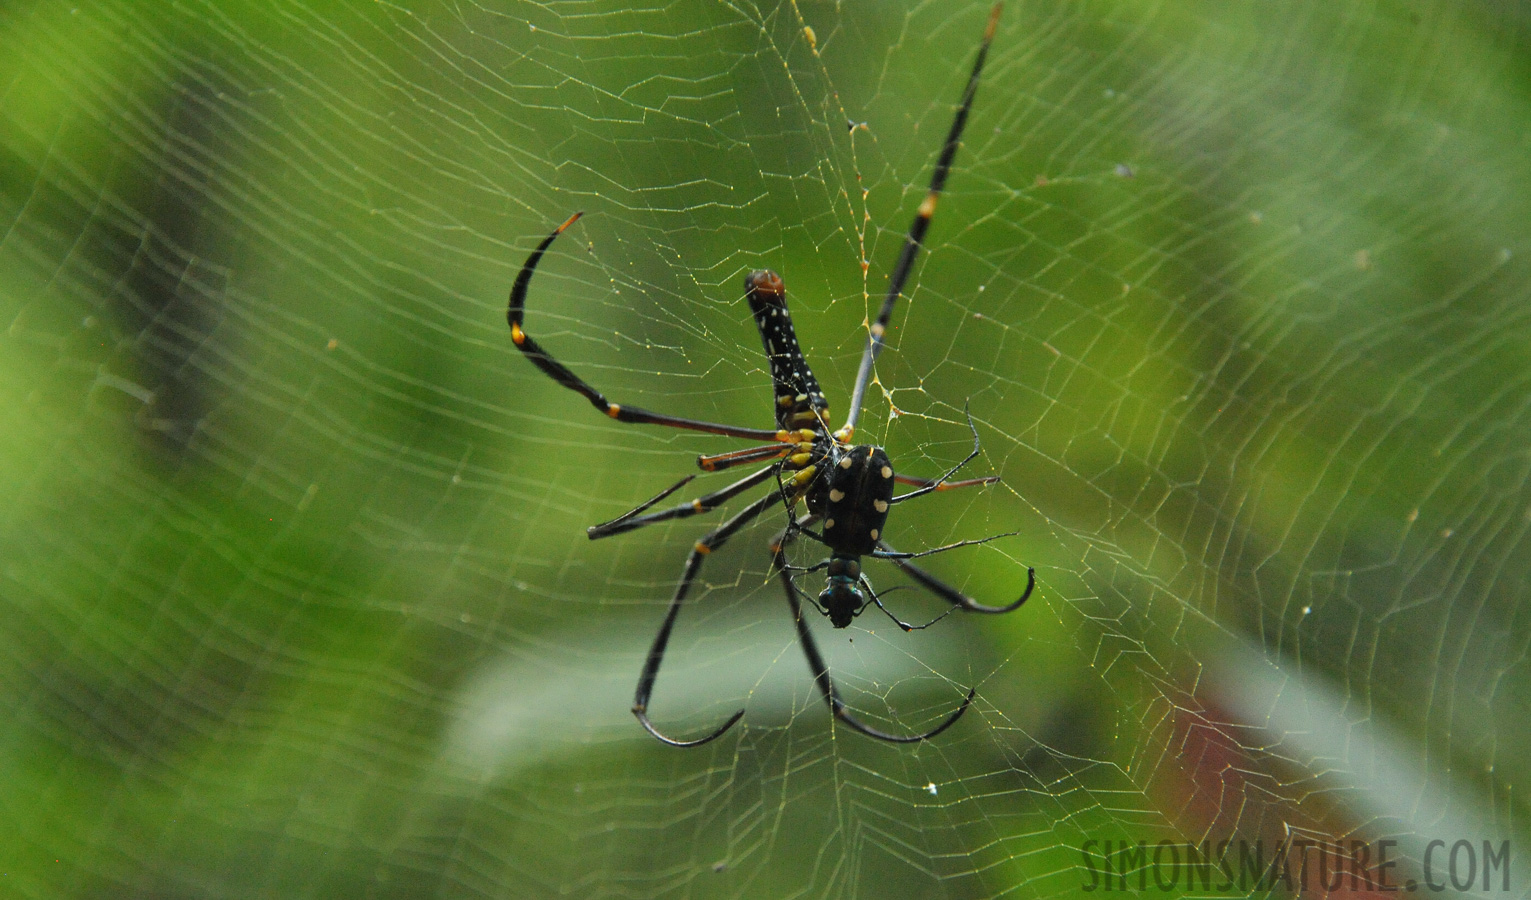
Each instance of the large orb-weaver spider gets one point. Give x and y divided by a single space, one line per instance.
849 488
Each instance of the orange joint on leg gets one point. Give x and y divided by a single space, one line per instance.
516 334
928 207
702 548
844 435
613 410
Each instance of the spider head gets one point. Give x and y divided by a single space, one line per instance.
842 598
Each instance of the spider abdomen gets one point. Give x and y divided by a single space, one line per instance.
800 402
853 496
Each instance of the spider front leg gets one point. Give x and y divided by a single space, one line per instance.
632 519
926 485
877 331
515 314
713 540
947 592
816 662
877 599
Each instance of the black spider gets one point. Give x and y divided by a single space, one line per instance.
849 488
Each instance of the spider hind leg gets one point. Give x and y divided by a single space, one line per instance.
816 662
713 540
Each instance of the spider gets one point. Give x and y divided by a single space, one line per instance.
847 488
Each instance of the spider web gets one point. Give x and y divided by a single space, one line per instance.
297 600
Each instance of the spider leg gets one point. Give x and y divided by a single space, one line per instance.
561 373
804 595
816 659
917 230
610 527
793 573
896 620
809 532
790 497
831 697
631 520
943 484
940 484
947 592
887 553
790 573
733 458
713 540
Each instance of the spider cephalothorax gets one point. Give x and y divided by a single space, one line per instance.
846 490
841 598
800 402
